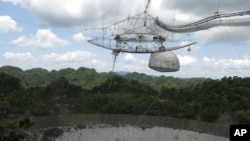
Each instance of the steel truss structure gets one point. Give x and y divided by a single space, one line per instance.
143 33
137 34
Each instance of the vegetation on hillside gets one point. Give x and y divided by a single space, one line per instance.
14 103
89 78
38 92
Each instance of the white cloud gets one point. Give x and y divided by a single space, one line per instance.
216 68
230 35
74 59
64 12
7 24
79 12
131 63
129 58
187 60
44 38
76 56
140 66
90 12
79 37
18 56
241 63
208 60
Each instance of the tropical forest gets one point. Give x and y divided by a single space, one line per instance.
39 92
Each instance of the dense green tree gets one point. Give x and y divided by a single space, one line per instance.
118 84
242 117
56 96
62 72
89 78
37 77
12 94
13 105
13 130
13 71
86 78
158 82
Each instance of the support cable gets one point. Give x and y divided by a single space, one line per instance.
174 19
147 6
117 10
150 106
230 39
218 7
233 42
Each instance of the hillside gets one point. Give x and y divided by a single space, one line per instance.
89 78
70 91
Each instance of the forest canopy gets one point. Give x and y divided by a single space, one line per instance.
39 92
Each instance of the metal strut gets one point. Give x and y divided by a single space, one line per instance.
146 8
115 53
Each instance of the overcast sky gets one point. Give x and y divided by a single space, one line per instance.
51 34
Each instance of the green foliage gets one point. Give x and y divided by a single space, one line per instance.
86 78
13 130
13 103
118 84
207 101
12 95
163 81
61 87
242 117
37 77
89 78
8 83
13 71
120 96
62 72
210 114
84 90
53 98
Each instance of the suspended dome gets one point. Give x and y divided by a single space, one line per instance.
164 62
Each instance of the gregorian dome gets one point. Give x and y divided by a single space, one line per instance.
165 61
